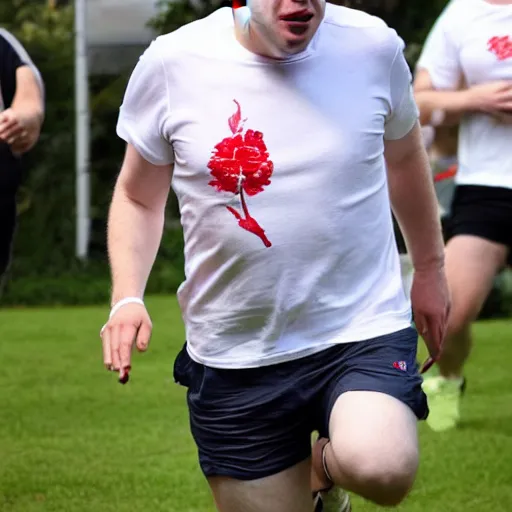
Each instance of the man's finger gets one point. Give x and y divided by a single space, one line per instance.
105 341
421 324
127 337
115 342
7 121
442 335
428 330
434 335
143 337
427 365
7 133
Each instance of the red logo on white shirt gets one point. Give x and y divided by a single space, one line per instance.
240 164
501 47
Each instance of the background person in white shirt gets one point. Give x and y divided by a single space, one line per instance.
470 43
276 137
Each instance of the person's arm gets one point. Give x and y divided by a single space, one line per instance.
135 223
20 124
413 199
414 205
440 56
446 106
439 107
27 110
439 85
136 217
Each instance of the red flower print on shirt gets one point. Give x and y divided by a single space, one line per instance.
501 47
240 164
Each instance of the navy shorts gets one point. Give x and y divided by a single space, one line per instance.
256 422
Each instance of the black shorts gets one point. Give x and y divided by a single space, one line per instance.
485 212
253 423
10 180
7 228
400 241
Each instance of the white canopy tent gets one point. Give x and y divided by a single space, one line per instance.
99 23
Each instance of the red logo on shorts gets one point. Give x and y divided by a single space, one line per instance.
400 365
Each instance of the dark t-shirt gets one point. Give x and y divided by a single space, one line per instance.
11 58
10 61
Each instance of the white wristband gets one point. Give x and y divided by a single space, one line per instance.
128 300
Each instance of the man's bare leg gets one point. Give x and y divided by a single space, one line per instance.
373 448
472 263
288 491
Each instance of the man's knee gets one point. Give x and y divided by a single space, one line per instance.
384 478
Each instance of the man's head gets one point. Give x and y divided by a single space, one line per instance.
278 28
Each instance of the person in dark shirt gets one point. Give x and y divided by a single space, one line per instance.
21 118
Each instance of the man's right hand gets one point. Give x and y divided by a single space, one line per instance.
491 97
129 326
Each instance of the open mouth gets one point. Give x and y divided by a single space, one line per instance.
298 17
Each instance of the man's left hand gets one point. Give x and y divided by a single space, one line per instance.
431 306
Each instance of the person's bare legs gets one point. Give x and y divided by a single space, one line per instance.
471 265
288 491
373 448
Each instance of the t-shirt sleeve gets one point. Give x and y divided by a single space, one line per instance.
11 60
13 56
403 110
144 113
440 54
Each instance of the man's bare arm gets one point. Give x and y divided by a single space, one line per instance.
493 98
413 198
414 204
451 104
135 224
20 125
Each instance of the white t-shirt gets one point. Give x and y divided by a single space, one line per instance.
303 139
472 39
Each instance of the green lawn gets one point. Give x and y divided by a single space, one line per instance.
73 440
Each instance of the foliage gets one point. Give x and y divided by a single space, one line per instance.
172 15
44 265
45 270
47 195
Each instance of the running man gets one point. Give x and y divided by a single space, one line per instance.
470 43
284 140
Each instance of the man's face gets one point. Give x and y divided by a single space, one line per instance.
286 26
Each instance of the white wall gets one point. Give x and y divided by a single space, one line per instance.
119 22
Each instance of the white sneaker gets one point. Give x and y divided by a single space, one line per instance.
335 500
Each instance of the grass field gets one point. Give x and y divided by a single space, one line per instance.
73 440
